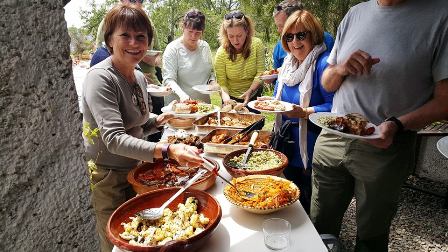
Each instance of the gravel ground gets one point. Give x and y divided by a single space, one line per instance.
421 223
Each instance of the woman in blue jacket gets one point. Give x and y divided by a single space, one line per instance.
299 82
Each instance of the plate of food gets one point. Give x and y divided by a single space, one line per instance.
153 52
272 193
190 108
269 74
273 106
442 146
206 89
352 125
158 91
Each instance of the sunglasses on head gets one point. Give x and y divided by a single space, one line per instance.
235 14
280 8
136 1
195 15
289 37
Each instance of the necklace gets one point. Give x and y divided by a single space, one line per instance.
131 87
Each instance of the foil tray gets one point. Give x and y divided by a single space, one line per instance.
201 128
217 148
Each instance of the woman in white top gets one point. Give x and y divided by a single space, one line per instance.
187 61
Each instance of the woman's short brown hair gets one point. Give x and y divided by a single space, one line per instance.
128 16
232 20
310 23
194 19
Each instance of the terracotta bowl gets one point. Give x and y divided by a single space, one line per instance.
181 123
239 172
139 187
208 206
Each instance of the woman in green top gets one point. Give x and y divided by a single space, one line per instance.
239 60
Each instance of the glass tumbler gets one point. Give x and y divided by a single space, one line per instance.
276 233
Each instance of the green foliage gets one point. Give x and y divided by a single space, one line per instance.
80 42
91 166
92 15
330 12
90 133
167 15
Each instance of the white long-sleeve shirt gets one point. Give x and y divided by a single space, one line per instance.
183 69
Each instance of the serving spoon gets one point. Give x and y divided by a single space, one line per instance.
156 212
209 166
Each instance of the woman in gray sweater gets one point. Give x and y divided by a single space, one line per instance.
115 102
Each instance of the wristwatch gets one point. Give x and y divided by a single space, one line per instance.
397 122
165 148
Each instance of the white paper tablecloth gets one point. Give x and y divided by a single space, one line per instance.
241 231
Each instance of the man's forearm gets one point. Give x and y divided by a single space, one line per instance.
434 110
332 79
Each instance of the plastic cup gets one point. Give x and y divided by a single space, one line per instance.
276 233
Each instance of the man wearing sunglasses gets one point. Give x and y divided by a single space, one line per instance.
281 12
390 64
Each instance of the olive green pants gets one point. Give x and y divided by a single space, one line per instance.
111 189
343 168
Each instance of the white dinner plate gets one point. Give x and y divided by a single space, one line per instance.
169 109
316 117
204 89
442 146
153 52
269 77
158 91
288 107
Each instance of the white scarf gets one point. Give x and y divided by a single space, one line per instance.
292 73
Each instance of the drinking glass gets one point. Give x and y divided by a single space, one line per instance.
276 233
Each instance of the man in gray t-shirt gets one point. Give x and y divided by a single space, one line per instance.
390 64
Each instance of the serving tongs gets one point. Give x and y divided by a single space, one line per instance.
235 138
253 138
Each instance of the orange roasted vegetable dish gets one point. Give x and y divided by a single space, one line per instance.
269 192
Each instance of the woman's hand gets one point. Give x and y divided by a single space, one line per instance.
213 85
225 97
162 119
185 155
299 112
246 96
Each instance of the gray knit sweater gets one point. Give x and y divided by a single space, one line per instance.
108 105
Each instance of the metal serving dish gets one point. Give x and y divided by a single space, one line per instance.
201 128
217 148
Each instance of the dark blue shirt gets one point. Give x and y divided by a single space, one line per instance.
100 54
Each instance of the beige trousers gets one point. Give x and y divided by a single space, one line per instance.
111 189
345 168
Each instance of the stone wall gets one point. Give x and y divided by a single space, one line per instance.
44 193
431 164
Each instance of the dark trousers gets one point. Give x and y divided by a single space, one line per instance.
346 168
302 179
